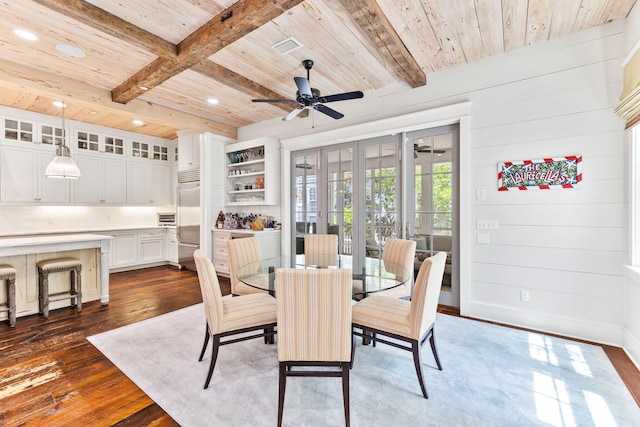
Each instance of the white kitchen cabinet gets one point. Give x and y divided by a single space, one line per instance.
151 246
104 180
172 246
124 249
188 150
22 178
253 173
149 183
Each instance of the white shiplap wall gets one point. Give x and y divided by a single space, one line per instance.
566 247
632 291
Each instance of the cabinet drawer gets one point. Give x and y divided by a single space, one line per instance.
221 236
151 235
221 266
220 251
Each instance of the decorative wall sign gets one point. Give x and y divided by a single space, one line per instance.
543 174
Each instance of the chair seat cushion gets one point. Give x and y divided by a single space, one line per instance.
59 263
247 310
384 313
7 270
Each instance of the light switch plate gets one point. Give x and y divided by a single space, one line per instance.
483 238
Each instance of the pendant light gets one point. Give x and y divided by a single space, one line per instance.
62 165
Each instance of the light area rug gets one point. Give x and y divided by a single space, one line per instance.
492 376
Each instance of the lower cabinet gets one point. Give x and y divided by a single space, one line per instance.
172 246
124 249
151 245
140 248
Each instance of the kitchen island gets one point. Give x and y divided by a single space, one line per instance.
24 252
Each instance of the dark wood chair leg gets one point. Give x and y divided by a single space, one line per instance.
432 342
415 349
269 339
353 348
214 356
345 392
281 389
206 341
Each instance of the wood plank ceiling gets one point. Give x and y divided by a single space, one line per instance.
186 51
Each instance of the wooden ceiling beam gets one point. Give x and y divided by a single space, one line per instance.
375 25
106 22
20 77
228 26
238 82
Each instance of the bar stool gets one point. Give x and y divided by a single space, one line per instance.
8 274
58 265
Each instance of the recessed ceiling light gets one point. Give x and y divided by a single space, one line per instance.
144 88
212 101
27 35
59 104
67 49
138 122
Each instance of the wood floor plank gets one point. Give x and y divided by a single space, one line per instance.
51 375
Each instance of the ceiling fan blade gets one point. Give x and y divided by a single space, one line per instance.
328 111
288 101
342 96
293 113
304 88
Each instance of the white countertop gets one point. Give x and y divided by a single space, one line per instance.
246 231
40 239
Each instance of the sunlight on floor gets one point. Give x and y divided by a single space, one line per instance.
541 348
577 360
553 405
552 401
599 409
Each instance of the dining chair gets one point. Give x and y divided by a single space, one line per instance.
406 321
243 252
398 256
231 315
314 327
321 249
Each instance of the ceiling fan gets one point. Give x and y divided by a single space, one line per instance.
425 149
308 97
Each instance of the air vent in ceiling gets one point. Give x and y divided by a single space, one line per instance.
287 45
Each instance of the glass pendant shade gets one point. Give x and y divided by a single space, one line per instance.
62 165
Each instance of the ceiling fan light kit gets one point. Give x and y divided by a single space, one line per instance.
308 97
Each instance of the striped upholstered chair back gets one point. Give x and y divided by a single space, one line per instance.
398 256
211 294
321 249
314 326
243 252
314 314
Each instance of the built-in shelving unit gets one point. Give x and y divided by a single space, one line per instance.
252 173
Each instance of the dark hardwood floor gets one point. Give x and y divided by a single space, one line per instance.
51 375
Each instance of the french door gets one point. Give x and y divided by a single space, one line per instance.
365 193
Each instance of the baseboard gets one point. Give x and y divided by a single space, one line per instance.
632 347
140 266
601 333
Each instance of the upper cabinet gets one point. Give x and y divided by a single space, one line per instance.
22 178
188 150
104 180
117 167
253 172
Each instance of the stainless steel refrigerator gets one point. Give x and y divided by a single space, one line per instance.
188 217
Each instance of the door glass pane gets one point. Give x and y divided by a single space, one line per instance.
340 197
381 195
306 200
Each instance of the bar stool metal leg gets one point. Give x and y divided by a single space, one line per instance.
11 300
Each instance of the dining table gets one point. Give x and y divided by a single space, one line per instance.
373 274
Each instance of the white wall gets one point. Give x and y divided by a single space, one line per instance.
632 290
566 247
16 220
